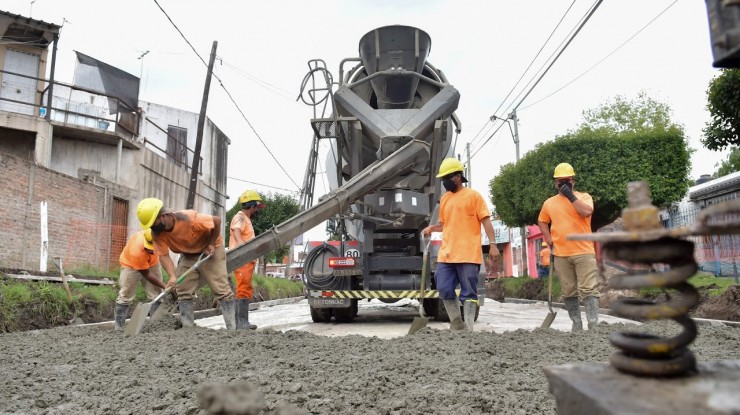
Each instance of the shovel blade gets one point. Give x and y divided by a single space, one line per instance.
138 318
418 324
163 310
548 320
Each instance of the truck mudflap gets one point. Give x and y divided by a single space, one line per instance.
348 295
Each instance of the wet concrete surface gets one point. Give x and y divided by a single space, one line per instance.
85 370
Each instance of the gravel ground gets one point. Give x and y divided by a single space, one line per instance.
84 370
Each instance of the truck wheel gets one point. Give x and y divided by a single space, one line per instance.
434 307
321 315
346 315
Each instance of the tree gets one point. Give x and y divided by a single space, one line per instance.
729 165
614 145
723 103
278 209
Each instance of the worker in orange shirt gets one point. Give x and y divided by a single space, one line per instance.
190 234
138 263
544 270
567 213
242 231
462 211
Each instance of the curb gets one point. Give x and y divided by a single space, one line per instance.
610 312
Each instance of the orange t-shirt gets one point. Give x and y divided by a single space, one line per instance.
460 214
134 255
559 212
190 235
545 257
242 224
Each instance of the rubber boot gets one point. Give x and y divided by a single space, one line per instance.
574 311
228 310
592 311
242 315
469 307
453 311
119 316
186 313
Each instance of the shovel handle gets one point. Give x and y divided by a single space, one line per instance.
549 282
195 266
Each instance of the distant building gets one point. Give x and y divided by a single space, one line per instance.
90 153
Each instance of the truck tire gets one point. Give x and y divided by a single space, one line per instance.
321 315
346 315
434 307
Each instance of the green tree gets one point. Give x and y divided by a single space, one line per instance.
606 154
729 165
278 209
723 103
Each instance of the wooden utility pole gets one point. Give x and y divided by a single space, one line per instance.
199 135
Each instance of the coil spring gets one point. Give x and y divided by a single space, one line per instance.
647 354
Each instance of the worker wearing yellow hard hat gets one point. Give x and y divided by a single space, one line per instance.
569 212
138 263
242 231
190 234
462 211
544 268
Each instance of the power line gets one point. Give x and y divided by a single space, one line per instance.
268 86
573 34
230 97
530 65
260 184
602 59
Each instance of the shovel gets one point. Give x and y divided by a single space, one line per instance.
138 318
421 321
551 316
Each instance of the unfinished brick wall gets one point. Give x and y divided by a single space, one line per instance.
78 217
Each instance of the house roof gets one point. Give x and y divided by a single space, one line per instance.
27 30
716 187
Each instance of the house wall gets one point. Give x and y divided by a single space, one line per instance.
79 158
78 217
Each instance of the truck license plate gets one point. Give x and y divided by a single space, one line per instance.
324 302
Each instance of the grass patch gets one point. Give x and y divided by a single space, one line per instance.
520 287
719 284
12 296
88 271
278 287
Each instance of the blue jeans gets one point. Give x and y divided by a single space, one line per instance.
449 276
544 271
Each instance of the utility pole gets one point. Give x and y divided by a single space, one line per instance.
522 230
199 135
469 174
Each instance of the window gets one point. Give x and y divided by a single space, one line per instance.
177 145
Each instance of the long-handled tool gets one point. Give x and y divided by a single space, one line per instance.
550 316
422 321
138 318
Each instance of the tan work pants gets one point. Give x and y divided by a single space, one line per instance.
578 275
211 272
128 280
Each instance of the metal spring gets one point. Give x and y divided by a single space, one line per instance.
647 354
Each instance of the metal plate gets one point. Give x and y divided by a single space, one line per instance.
325 302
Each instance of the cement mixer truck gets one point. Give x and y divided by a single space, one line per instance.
392 122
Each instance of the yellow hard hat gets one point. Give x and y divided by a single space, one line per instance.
450 165
251 196
148 239
544 243
147 211
564 170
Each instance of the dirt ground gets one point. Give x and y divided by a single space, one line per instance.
84 370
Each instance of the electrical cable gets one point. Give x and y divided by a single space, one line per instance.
230 97
601 60
261 184
530 63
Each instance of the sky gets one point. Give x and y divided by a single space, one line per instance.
484 47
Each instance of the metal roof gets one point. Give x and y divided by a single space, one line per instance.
716 187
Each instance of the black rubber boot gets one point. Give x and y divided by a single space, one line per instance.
119 316
186 313
574 311
453 311
228 311
242 315
592 311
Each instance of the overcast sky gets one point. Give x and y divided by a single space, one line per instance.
484 47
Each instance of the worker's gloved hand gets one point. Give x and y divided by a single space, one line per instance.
566 189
